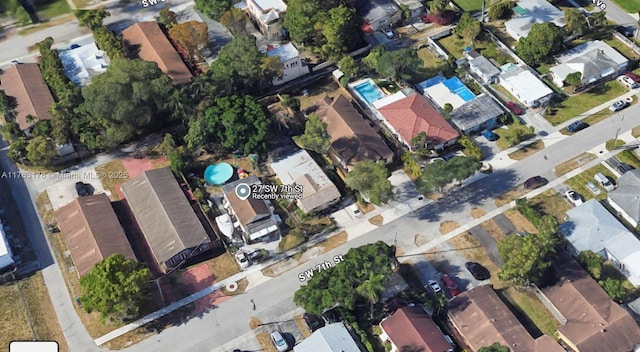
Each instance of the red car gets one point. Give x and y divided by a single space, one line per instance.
515 108
633 76
450 285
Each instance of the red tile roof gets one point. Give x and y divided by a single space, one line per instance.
411 115
24 83
411 326
152 45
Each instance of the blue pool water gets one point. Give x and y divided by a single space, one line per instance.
369 91
457 87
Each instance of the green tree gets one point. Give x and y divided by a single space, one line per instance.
6 109
178 160
179 105
341 31
41 151
614 289
591 262
371 180
598 19
166 17
18 150
235 20
438 6
213 8
371 60
11 131
344 284
495 347
543 40
471 149
402 64
348 66
501 11
91 18
290 102
576 21
448 108
438 174
168 144
315 135
371 289
193 36
300 20
109 42
468 27
411 167
524 258
115 287
574 79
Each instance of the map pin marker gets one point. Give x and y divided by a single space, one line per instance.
243 191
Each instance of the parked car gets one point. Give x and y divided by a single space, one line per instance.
434 286
515 108
84 189
279 342
618 105
450 285
604 182
354 210
627 82
577 126
627 31
256 255
593 188
535 182
623 168
478 271
74 46
633 76
314 322
242 259
490 135
574 197
388 32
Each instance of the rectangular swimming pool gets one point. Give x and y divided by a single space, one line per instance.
457 87
369 91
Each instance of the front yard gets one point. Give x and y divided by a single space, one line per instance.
578 183
577 105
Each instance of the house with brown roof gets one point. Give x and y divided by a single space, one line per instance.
481 318
149 43
253 216
409 116
24 83
166 217
411 326
92 231
352 137
591 321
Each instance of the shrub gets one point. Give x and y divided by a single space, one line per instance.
592 263
614 289
502 11
471 149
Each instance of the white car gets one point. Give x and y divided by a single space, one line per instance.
627 82
279 342
435 287
618 105
242 259
354 211
573 197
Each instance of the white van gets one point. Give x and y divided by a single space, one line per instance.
604 182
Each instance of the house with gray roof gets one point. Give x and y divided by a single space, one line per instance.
377 14
626 198
331 338
594 60
590 226
479 114
484 69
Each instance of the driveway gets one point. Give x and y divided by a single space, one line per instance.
64 191
488 243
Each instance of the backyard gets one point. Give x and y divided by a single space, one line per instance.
577 105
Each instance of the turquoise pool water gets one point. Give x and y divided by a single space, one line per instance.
369 91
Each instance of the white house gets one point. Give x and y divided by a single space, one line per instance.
595 60
484 69
415 7
291 62
6 257
626 198
331 338
84 62
526 13
590 226
524 85
268 14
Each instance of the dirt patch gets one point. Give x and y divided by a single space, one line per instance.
365 207
242 286
434 196
477 212
493 229
552 203
448 226
223 266
334 241
377 220
280 267
527 151
513 194
574 163
302 325
265 342
311 253
635 132
420 240
254 323
112 175
520 222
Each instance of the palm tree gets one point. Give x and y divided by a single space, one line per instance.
371 289
177 105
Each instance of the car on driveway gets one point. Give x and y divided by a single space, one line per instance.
604 181
577 126
515 108
279 342
623 168
535 182
633 76
84 189
242 259
434 286
490 135
627 31
314 322
627 82
354 211
574 197
478 271
450 285
618 105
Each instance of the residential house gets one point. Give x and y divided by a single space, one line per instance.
526 13
590 320
166 218
481 319
407 117
415 7
24 83
299 168
594 60
352 137
331 338
625 199
481 113
268 15
524 85
6 256
92 232
590 226
482 67
292 65
377 14
253 216
84 62
146 41
411 326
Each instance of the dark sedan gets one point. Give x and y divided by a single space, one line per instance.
577 126
535 182
478 271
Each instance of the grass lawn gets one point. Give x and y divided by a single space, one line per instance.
622 47
45 25
111 168
630 158
574 163
469 5
503 143
80 4
575 106
552 203
505 92
47 9
455 45
528 150
630 6
578 183
592 119
532 313
223 266
430 60
635 132
613 144
289 241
